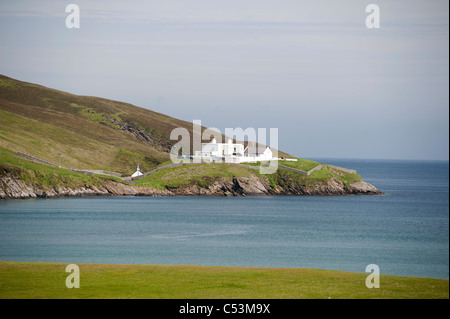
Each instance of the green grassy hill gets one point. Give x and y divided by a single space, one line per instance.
88 132
204 175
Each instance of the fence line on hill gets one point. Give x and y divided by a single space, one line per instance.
36 159
90 172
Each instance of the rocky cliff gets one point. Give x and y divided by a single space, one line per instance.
13 187
250 186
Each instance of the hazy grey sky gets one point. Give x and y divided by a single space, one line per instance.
311 68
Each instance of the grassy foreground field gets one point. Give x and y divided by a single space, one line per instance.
47 280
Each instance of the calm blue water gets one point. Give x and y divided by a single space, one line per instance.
405 232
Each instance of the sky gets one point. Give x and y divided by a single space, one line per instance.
333 87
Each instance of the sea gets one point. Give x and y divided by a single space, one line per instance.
404 232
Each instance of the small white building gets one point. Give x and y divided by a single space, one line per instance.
138 172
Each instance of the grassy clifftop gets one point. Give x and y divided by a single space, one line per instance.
282 181
202 175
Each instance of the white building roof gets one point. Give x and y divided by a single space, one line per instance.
255 150
138 172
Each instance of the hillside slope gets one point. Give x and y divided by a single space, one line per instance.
88 132
91 133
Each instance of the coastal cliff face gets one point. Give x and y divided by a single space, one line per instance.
13 187
251 186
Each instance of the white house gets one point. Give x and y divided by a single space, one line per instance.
217 151
232 152
138 172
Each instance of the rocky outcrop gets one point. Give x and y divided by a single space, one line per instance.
330 187
238 186
150 136
12 187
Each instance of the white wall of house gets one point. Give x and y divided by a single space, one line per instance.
221 149
232 152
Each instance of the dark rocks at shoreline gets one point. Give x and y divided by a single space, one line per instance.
14 188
